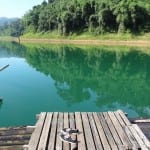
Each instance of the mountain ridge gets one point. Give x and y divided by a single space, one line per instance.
6 20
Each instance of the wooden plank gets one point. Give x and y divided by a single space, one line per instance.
35 137
4 67
73 126
113 131
17 147
142 121
131 138
138 139
124 118
45 132
80 137
119 129
13 142
15 137
51 143
87 131
14 131
97 140
59 144
107 132
142 136
30 128
127 131
102 135
66 146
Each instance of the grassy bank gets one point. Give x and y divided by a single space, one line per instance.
142 40
88 36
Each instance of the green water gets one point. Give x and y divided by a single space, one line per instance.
66 78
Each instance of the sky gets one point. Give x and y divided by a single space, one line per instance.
16 8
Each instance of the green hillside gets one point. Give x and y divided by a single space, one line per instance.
96 17
4 20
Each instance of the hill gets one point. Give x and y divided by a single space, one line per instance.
92 16
4 20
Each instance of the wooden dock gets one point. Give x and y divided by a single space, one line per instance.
97 131
13 138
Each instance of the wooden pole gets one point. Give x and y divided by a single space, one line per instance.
2 68
1 99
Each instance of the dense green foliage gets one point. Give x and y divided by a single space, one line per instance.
94 16
4 20
15 29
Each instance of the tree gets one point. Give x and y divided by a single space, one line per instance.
98 16
138 15
17 29
121 12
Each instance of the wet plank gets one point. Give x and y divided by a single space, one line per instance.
128 133
66 146
96 138
81 136
102 135
88 132
45 132
113 131
51 143
142 136
107 132
59 143
33 143
126 142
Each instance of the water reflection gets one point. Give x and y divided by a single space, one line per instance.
0 104
111 78
115 77
12 49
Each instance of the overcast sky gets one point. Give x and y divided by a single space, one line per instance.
16 8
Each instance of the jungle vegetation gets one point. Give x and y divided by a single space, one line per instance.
80 16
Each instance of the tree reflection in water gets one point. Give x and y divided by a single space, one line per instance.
115 77
0 104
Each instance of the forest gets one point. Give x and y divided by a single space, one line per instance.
78 16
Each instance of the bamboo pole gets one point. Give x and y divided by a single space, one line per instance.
4 67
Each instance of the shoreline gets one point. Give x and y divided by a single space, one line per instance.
142 43
103 42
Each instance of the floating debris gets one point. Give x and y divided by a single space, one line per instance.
4 67
1 99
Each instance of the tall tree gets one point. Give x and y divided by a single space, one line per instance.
17 29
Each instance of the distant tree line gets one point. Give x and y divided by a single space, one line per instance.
14 28
94 16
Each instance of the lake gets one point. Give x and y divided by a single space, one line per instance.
65 78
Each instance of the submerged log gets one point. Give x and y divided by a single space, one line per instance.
1 99
4 67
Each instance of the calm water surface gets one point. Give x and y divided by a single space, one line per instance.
62 78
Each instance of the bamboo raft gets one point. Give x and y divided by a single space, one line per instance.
13 138
98 131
